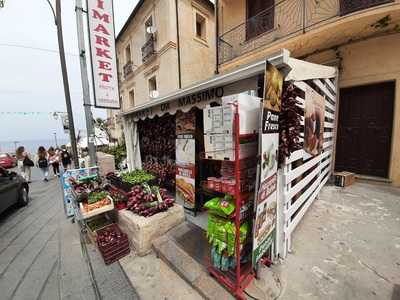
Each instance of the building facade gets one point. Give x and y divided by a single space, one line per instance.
164 46
361 38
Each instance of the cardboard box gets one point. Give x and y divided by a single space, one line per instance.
344 179
246 150
249 112
219 119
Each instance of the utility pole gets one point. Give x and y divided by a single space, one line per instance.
85 82
55 139
58 21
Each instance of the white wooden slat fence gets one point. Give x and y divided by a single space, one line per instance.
302 176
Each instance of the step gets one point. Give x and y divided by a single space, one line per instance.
186 266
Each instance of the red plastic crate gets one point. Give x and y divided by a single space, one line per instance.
115 244
117 256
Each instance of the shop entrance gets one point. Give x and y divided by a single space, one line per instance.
365 129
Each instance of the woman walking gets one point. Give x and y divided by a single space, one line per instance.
24 163
43 163
54 160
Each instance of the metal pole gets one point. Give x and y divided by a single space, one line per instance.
85 83
55 139
66 84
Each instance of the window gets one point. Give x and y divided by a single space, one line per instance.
152 87
200 27
148 23
128 56
132 98
260 17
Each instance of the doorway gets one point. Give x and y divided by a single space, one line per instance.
365 129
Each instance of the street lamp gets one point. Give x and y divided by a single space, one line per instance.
58 22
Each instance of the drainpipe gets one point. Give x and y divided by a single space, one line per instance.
216 11
178 45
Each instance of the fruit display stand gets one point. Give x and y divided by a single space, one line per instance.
150 211
236 278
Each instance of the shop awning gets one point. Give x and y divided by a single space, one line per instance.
211 90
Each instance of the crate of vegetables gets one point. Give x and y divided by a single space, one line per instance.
112 243
98 202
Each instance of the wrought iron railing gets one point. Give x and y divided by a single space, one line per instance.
128 69
282 20
148 49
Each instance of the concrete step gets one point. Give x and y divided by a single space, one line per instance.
195 274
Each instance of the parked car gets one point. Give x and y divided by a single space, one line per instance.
13 190
7 161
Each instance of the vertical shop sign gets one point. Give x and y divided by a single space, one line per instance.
185 171
314 120
186 158
102 52
266 202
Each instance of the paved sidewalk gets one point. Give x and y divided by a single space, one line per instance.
347 247
41 255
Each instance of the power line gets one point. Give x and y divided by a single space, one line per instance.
35 48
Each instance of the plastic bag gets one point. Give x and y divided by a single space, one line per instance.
223 207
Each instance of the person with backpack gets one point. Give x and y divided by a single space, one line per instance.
24 163
43 163
65 158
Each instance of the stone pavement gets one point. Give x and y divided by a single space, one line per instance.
41 255
346 247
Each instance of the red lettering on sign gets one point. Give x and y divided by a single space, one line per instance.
105 77
103 53
104 17
101 28
102 41
100 4
104 65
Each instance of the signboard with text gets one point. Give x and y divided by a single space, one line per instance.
267 195
102 52
185 171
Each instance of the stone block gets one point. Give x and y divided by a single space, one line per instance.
143 231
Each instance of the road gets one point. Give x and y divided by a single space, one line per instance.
42 257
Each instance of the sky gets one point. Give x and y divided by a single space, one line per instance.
30 79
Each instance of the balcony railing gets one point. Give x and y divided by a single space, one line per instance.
148 49
285 18
128 69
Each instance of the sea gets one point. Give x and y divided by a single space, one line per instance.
30 145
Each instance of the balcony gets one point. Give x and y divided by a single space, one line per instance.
148 49
128 69
283 20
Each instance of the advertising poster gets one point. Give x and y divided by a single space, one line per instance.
185 122
67 187
185 171
266 202
314 119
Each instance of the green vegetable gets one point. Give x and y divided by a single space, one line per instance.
137 177
97 196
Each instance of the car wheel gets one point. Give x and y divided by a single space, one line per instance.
23 197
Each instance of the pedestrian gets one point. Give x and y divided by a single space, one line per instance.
65 158
54 161
24 163
43 162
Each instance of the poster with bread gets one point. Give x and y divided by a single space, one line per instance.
314 120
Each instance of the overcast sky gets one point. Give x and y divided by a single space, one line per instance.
30 80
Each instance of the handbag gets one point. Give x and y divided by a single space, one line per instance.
28 162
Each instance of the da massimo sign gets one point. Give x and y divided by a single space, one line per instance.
102 52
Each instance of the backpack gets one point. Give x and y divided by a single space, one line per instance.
42 163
